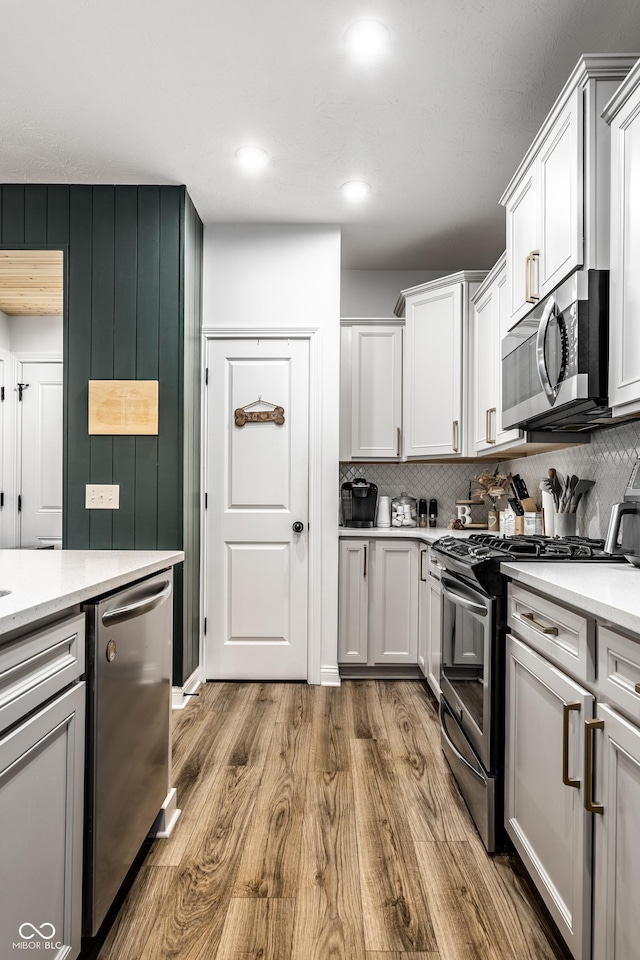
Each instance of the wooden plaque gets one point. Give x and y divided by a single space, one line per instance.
123 407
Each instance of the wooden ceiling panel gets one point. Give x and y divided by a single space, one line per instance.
31 282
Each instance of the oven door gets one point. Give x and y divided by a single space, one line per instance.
468 625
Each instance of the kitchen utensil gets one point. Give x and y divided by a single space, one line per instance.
519 487
516 506
580 489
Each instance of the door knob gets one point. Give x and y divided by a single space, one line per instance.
298 526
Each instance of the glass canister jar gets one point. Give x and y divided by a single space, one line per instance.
404 511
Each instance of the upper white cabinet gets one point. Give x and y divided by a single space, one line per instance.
435 360
487 322
371 391
623 112
557 204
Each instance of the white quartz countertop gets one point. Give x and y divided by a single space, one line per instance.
424 534
44 582
609 592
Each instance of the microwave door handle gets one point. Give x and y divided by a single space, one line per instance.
461 601
541 366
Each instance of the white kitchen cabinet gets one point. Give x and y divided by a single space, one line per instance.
378 602
557 211
544 787
487 321
371 391
436 364
616 875
41 800
623 113
353 592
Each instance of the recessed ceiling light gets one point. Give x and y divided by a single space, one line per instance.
253 159
355 190
366 39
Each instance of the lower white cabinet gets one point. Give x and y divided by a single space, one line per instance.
572 770
616 875
41 809
378 602
544 787
430 619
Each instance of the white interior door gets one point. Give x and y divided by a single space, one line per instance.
257 488
40 459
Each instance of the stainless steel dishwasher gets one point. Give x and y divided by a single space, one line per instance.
128 730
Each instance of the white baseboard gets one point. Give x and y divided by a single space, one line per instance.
180 696
329 676
167 818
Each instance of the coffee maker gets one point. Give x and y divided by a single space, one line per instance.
629 508
359 500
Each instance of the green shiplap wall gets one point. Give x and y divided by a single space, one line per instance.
132 311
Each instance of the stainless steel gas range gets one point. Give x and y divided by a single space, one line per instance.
473 652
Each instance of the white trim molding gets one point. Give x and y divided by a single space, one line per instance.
181 696
330 676
167 817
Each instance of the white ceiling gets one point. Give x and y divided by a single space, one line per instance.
159 91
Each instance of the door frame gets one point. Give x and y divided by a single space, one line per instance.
13 437
313 335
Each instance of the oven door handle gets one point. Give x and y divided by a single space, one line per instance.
477 608
543 373
455 750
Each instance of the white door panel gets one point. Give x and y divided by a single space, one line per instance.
257 486
40 484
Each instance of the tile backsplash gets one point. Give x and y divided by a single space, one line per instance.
444 482
608 460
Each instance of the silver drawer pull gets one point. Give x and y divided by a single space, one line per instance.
637 687
549 631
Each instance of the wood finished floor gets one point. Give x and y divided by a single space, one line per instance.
321 823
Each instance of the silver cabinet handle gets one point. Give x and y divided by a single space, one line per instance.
490 423
137 609
566 713
530 296
589 803
548 631
423 554
398 439
364 565
454 435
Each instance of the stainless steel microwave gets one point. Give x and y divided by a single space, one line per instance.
555 360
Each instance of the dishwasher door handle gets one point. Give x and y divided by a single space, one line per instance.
137 609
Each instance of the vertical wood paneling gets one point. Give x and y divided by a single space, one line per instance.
102 367
129 313
170 367
124 353
78 368
147 336
13 214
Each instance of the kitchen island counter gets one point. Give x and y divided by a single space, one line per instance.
43 583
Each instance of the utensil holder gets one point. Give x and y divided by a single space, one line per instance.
564 524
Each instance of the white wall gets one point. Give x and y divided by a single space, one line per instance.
374 293
277 276
36 334
5 332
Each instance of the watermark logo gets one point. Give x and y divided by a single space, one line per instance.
36 938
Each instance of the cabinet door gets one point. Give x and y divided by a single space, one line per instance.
616 920
501 299
41 813
353 600
394 602
624 371
544 817
423 612
560 174
484 332
376 392
434 589
522 242
432 374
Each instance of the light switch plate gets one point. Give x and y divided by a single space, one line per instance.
102 496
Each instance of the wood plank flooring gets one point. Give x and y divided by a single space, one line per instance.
322 823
